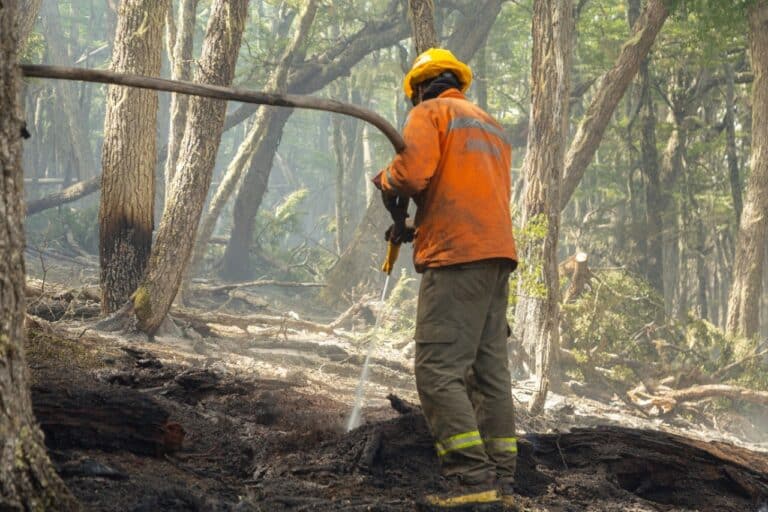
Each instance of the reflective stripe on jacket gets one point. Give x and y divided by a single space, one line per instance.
456 166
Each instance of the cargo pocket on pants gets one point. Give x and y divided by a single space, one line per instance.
431 333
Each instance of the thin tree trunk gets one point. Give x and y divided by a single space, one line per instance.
186 194
730 148
181 69
744 299
129 154
537 314
27 478
612 87
654 257
66 95
338 151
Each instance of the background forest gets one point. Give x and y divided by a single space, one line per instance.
648 237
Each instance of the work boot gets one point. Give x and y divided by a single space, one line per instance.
456 496
508 497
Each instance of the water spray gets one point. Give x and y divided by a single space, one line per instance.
356 414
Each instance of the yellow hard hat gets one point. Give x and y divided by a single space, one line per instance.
433 62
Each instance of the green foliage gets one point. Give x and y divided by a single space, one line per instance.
529 277
272 228
612 316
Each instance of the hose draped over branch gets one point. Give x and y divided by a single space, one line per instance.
217 92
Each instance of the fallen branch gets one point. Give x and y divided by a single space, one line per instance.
667 400
243 322
254 284
217 92
67 195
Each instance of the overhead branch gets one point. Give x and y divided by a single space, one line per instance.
217 92
612 88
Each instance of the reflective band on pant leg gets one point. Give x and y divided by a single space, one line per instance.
458 442
501 444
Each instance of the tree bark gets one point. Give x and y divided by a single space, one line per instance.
27 478
186 194
537 314
422 16
181 69
254 138
744 299
28 15
129 154
612 87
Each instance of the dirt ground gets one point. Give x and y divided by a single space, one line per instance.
264 431
263 416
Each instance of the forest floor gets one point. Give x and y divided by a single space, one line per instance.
263 417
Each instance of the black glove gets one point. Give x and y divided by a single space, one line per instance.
400 235
390 202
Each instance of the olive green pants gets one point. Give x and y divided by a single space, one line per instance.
462 373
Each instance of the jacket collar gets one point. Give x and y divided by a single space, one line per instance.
452 93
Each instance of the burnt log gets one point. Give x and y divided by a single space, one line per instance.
104 418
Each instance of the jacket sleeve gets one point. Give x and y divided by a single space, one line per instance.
410 171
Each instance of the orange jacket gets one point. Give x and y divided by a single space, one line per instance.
456 166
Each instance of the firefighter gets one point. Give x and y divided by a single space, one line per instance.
456 168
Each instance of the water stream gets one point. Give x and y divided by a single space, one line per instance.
355 416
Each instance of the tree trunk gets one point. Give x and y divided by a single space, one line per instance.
612 87
27 478
181 69
730 139
27 17
254 138
66 95
537 314
338 210
744 299
654 257
129 155
422 16
237 263
186 194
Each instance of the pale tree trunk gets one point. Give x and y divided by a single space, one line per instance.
538 313
744 299
129 155
253 139
187 192
27 478
612 87
181 69
338 151
27 16
66 95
